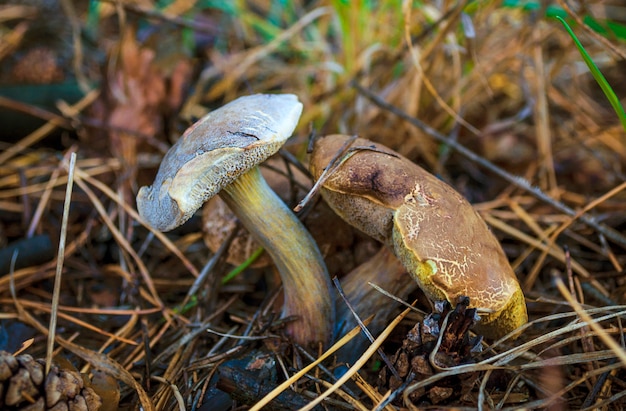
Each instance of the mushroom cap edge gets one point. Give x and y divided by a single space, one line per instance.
215 151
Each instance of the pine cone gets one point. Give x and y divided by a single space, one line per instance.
411 361
24 388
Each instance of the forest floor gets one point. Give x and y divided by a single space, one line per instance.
93 94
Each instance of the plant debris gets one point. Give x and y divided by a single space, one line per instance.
442 337
24 385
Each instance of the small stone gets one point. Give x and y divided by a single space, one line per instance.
421 366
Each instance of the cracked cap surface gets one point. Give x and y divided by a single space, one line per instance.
442 241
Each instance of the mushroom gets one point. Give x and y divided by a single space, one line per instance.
435 232
219 154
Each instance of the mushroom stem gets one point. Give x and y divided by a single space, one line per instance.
387 272
302 270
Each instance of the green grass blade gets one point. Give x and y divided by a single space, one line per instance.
235 271
597 75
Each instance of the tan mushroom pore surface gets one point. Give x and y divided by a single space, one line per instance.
369 200
215 151
436 233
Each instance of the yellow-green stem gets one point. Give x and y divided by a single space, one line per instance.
305 279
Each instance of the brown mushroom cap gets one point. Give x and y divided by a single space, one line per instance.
363 194
436 233
214 152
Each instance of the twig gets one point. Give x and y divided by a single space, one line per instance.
35 111
44 130
282 387
158 234
151 12
517 181
592 396
335 162
240 337
121 240
177 395
342 155
325 370
395 393
210 265
360 363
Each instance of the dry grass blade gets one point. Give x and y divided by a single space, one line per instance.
569 359
611 343
35 111
135 215
179 399
416 60
354 403
371 392
360 362
44 200
97 360
294 378
605 42
546 248
121 240
44 130
535 272
55 311
60 256
507 356
341 156
541 114
238 67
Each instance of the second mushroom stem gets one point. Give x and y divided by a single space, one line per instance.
306 283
